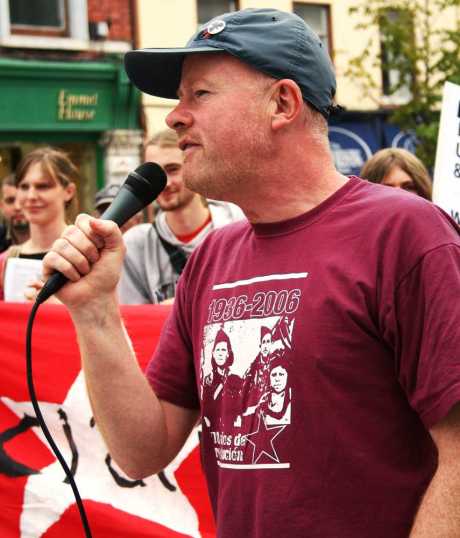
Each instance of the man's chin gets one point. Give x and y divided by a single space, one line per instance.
20 226
169 207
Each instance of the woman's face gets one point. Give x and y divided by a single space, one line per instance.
399 179
278 378
220 353
42 198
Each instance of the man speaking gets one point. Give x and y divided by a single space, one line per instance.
358 285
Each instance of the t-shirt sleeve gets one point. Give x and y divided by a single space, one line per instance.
427 312
171 371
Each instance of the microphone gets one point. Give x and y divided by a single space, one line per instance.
141 187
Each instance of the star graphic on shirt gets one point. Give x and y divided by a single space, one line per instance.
47 496
262 440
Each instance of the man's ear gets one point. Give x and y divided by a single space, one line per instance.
288 103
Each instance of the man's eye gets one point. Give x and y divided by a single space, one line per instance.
200 93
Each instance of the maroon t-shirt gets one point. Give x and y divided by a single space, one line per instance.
320 351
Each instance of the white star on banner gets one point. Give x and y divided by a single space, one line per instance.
47 496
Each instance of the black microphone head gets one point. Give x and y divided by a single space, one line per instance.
147 181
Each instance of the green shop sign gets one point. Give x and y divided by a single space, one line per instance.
65 96
76 106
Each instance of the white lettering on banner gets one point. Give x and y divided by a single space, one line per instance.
446 185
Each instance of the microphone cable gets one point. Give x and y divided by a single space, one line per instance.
43 426
141 187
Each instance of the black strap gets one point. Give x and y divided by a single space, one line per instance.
176 255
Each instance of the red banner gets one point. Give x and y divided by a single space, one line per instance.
36 502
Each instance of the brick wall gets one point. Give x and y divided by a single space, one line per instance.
116 11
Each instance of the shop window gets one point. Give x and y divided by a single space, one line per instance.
208 9
394 60
45 17
317 16
23 21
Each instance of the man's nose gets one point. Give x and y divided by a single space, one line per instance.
179 118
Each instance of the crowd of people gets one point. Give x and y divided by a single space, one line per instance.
39 200
314 331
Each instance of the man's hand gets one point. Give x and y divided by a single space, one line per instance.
90 254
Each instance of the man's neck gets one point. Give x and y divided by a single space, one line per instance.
187 219
291 186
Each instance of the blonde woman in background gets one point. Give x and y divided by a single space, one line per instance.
398 168
46 182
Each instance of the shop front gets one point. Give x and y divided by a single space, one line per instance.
88 109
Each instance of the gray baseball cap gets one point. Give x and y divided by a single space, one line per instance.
105 196
274 42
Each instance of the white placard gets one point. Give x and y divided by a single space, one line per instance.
19 273
446 184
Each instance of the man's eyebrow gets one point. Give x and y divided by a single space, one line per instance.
199 81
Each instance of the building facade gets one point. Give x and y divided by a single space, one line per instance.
62 83
355 134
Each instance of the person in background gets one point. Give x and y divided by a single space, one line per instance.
46 182
156 253
105 197
400 169
15 229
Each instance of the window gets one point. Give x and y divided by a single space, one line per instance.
208 9
396 33
317 16
48 24
45 17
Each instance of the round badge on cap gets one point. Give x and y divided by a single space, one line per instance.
215 27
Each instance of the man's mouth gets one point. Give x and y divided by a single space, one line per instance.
186 144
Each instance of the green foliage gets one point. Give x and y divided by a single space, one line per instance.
425 56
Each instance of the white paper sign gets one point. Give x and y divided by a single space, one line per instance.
19 273
446 184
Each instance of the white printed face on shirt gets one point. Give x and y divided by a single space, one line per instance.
278 379
221 354
265 345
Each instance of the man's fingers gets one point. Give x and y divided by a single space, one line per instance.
74 253
79 258
77 238
108 230
53 262
82 222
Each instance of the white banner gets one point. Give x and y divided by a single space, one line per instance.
446 186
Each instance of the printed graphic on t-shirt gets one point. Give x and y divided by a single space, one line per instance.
246 389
